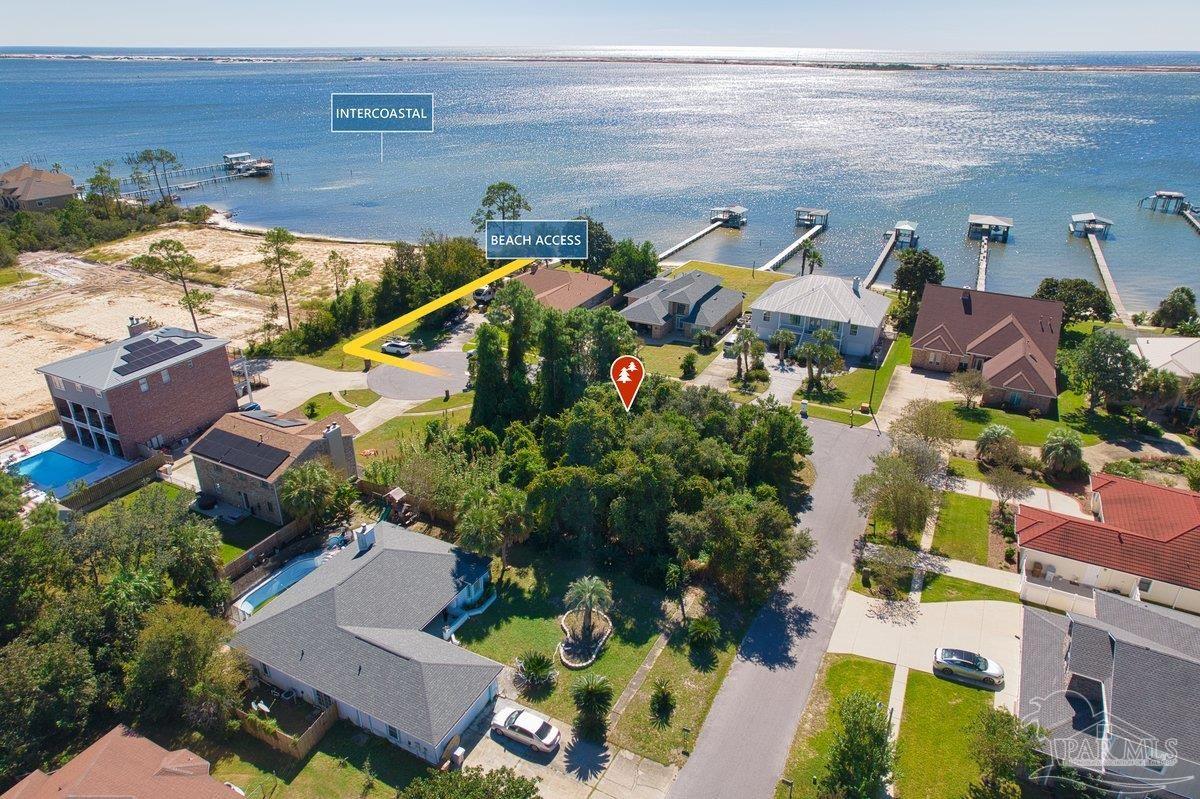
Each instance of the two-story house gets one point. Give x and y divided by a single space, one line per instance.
679 306
854 315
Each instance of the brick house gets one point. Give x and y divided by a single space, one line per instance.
1013 340
679 306
150 390
241 459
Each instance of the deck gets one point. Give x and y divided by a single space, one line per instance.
888 245
792 248
1110 285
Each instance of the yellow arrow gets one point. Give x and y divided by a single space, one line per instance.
358 346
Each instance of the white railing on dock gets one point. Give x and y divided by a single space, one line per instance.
888 246
1110 285
689 240
791 249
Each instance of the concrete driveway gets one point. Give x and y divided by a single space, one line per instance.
868 628
401 384
785 380
293 382
578 769
906 386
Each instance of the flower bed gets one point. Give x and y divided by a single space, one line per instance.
577 654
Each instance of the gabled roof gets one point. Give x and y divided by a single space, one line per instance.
1022 367
26 183
824 297
1148 531
235 434
988 219
354 629
125 361
124 764
1090 217
563 289
1178 354
701 292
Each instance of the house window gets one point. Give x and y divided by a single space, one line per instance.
270 507
144 385
78 387
854 330
1144 585
266 670
393 733
166 375
766 317
57 382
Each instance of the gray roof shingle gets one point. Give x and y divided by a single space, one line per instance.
353 629
707 301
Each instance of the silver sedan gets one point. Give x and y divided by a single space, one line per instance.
968 665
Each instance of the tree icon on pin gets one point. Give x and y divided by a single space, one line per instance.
627 373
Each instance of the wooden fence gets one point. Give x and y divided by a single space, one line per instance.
246 561
115 485
289 745
30 424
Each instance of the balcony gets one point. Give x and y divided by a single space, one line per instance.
1052 591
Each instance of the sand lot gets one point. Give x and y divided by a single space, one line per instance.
231 258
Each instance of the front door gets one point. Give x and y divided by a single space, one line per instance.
245 499
1015 399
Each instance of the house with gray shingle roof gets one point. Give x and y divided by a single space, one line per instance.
809 303
367 631
1116 694
679 306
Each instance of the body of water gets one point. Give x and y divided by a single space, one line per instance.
647 148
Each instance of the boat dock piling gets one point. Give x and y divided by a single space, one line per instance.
981 274
1170 202
674 248
1110 285
903 235
792 248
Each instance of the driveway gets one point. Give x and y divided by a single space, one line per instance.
906 386
744 744
785 380
993 629
401 384
293 382
578 769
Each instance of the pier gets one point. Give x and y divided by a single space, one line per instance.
981 272
1170 202
1192 219
791 249
1110 285
231 167
674 248
902 235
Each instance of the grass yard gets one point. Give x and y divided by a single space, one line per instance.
461 400
968 468
834 414
362 397
852 389
334 768
856 585
695 678
935 760
386 438
324 404
525 616
333 358
840 676
750 282
664 359
962 528
12 275
944 588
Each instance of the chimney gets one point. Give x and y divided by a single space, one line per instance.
337 448
856 284
966 302
1097 507
138 326
365 536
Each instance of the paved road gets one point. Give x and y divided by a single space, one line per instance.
402 384
744 743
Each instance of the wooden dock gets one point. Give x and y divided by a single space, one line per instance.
981 273
667 253
888 245
1192 219
792 248
1110 285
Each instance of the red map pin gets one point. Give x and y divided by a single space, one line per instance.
627 373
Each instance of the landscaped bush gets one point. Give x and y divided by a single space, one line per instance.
706 340
1126 468
1063 452
704 632
758 375
687 367
593 697
535 670
662 699
995 444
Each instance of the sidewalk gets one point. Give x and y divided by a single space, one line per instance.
1040 497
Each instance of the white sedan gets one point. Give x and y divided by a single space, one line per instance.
397 346
524 727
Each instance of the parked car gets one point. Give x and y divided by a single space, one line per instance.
483 295
250 406
397 346
525 727
969 665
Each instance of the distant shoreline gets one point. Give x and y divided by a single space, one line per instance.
869 66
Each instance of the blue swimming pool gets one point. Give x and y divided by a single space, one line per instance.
292 572
52 471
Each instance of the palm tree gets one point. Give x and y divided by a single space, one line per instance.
815 259
587 594
509 502
806 251
808 352
826 351
743 340
783 340
479 525
305 490
593 695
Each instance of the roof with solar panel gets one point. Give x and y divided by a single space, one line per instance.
133 358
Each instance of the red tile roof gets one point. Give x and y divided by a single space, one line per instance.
1148 531
124 764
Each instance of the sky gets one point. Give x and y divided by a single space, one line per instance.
1021 25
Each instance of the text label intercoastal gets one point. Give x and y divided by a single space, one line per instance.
381 113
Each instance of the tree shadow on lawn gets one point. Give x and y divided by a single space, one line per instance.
825 395
771 635
586 758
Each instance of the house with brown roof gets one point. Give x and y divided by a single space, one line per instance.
1143 541
563 290
26 188
242 457
1013 340
124 764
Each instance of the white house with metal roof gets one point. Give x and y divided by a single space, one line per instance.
806 304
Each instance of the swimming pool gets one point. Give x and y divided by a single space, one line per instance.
291 573
52 471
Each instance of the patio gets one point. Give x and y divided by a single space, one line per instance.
290 711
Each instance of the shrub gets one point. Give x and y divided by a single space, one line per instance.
1191 470
1126 468
991 439
536 670
1010 554
593 696
310 409
704 632
758 375
662 698
706 340
1035 414
1063 452
687 367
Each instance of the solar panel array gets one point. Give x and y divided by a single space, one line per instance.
143 353
247 455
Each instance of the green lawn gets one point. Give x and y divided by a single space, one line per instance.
333 358
840 676
386 438
525 616
333 770
664 359
834 414
695 678
461 400
325 404
853 388
935 760
750 282
944 588
968 468
12 275
856 585
362 397
962 528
